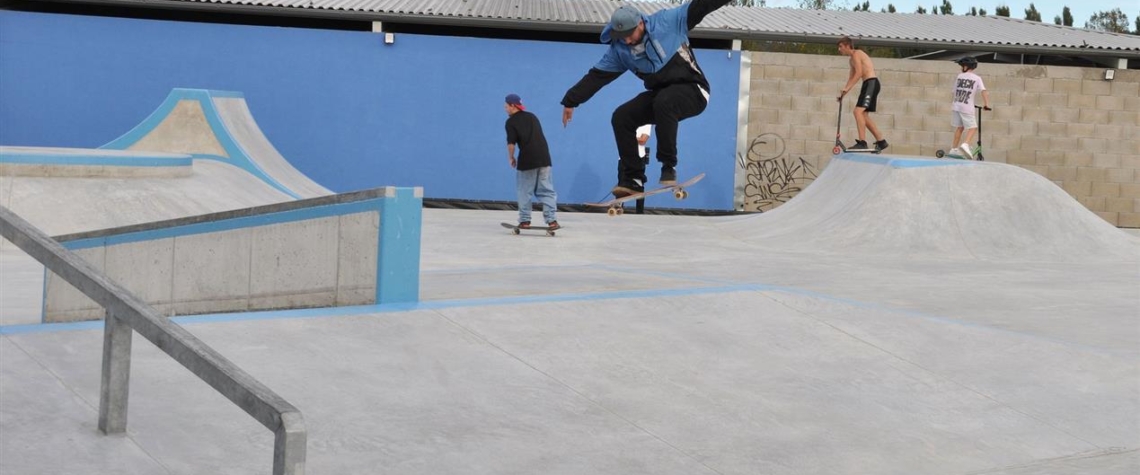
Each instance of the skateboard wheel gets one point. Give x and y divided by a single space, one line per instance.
940 153
612 211
516 231
836 150
550 233
678 194
684 194
620 211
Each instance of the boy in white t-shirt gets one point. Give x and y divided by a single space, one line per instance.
966 88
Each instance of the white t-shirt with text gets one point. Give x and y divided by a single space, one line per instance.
966 89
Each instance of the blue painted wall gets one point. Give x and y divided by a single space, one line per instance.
346 109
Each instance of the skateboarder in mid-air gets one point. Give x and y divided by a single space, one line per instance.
862 69
533 164
656 48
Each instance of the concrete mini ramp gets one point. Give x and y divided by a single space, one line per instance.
936 208
217 125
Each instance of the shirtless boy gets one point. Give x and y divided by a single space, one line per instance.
862 69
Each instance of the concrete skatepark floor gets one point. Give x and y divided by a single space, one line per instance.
646 344
897 317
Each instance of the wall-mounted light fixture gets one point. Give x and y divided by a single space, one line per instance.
1109 74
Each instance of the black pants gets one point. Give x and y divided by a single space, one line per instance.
665 108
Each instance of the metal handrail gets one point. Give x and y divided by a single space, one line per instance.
124 313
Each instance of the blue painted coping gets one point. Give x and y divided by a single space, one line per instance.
398 255
102 159
236 155
902 162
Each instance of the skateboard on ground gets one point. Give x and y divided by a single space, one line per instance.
678 189
516 229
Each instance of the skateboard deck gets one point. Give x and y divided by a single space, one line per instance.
864 150
678 189
517 230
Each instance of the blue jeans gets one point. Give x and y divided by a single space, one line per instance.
537 182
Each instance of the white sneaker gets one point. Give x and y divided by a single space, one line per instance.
965 148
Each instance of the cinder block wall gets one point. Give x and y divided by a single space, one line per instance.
1067 124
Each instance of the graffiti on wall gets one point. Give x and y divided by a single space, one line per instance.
770 177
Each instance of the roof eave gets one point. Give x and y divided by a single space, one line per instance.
590 28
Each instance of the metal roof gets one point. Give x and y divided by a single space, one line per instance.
998 34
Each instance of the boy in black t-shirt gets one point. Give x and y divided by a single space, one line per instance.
533 164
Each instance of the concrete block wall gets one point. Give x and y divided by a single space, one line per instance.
1065 123
322 254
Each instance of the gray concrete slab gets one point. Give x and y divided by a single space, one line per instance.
48 428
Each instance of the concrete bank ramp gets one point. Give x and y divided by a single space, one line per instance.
217 125
936 208
199 152
75 204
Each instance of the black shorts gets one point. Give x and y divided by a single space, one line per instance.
869 94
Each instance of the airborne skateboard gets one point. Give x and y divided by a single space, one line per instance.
516 229
678 189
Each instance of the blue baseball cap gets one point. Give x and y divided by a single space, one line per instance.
515 100
624 21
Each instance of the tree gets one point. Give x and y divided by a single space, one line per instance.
946 9
920 11
891 9
1066 17
816 4
973 11
1137 25
865 7
1032 14
1002 10
1114 21
981 12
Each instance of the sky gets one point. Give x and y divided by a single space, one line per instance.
1081 9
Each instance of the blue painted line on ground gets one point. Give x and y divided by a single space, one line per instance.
325 312
860 304
392 308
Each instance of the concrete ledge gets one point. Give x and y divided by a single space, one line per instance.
80 162
349 249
